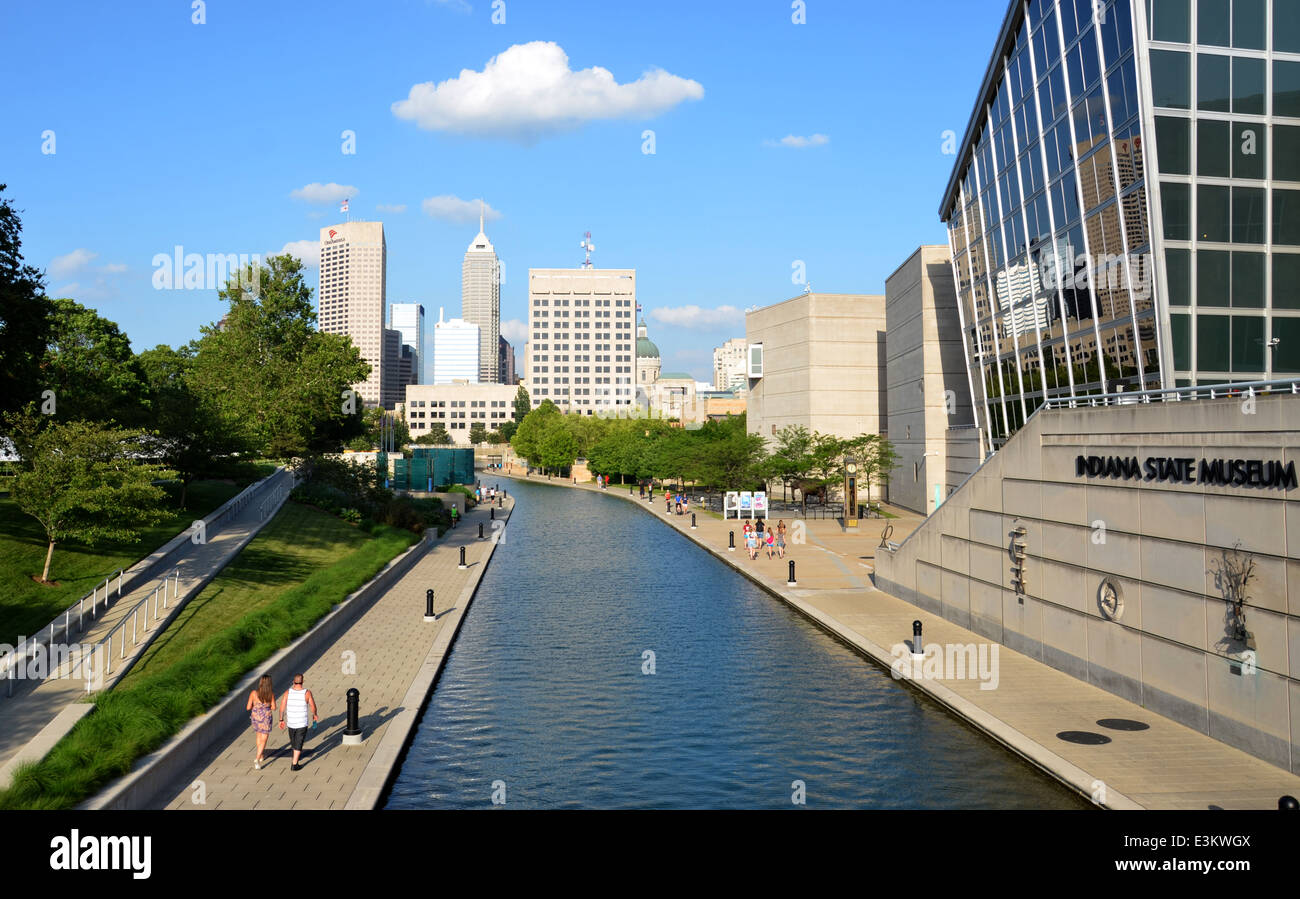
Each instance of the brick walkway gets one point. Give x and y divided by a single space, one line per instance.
1167 766
391 642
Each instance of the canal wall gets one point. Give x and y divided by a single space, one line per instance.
1100 541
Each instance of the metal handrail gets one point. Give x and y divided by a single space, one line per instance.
133 618
1176 394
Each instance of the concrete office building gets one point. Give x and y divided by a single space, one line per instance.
818 360
456 345
580 349
930 420
353 269
408 318
1125 208
458 406
480 298
729 365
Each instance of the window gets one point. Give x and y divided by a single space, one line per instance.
1213 277
1173 141
1248 214
1249 148
1213 222
1178 272
1213 337
1248 90
1212 157
1176 212
1286 153
1248 280
1171 21
1286 275
1248 19
1213 88
1286 88
1286 218
1180 325
1171 79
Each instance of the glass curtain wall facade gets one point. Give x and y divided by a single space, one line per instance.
1061 231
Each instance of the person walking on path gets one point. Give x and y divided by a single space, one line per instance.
261 706
751 544
771 543
780 539
454 515
295 705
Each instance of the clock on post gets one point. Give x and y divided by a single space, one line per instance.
850 493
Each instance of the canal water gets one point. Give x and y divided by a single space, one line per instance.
544 700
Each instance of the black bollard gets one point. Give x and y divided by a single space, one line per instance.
791 582
352 733
480 530
731 542
692 521
428 605
917 649
462 559
492 513
1288 803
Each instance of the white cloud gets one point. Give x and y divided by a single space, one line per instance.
67 264
115 268
453 209
305 251
391 207
697 317
529 91
799 142
515 331
321 194
458 5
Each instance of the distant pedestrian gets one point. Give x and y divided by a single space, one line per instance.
642 491
780 539
758 526
261 705
751 543
668 502
454 515
686 505
771 544
295 707
679 504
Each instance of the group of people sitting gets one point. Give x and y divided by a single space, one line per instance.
772 540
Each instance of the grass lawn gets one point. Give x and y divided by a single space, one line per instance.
26 605
300 540
287 578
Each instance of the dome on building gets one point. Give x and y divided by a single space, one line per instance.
645 348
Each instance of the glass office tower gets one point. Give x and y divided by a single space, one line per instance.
1125 209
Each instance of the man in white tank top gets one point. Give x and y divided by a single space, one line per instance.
295 707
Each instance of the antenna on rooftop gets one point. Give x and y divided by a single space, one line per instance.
586 244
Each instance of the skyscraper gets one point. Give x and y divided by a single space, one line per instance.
409 319
353 266
480 300
729 364
506 361
456 351
580 348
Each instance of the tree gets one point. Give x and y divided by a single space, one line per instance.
381 426
190 436
507 430
89 365
477 433
436 435
527 436
272 375
557 447
84 481
24 316
523 404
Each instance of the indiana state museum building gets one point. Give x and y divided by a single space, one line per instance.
1124 227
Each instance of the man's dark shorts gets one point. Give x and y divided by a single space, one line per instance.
297 736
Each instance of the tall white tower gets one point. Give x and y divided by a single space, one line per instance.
353 267
480 299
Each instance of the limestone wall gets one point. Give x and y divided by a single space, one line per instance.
1171 647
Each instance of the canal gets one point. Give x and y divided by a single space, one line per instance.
545 698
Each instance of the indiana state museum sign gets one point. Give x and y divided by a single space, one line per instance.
1190 470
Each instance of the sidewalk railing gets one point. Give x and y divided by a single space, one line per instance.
1246 389
82 614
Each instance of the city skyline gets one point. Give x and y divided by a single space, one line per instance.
705 243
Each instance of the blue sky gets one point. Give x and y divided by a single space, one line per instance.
774 143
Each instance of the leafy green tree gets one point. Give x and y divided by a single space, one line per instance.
477 433
190 436
523 404
526 440
24 316
89 365
84 481
557 447
507 430
378 423
277 380
436 435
